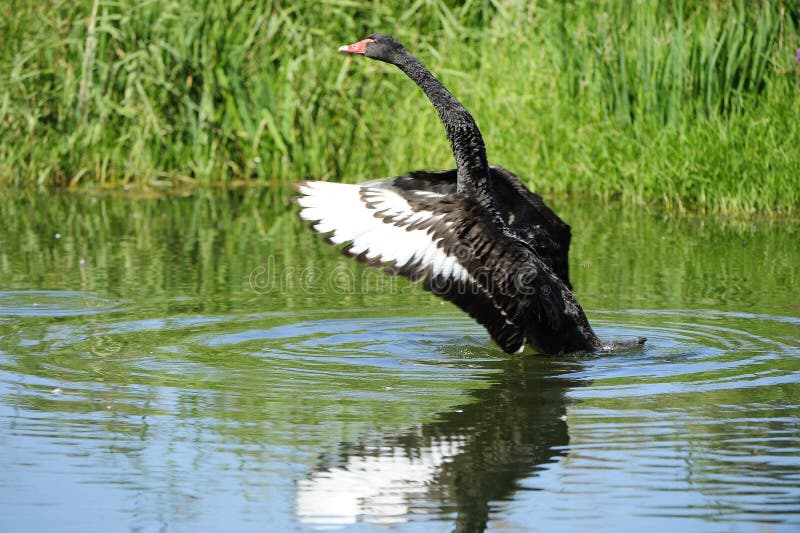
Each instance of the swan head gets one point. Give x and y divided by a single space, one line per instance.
377 46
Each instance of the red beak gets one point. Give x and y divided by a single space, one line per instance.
356 48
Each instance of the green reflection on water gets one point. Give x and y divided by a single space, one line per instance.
223 323
215 252
212 256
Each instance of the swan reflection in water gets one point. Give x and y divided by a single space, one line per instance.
469 458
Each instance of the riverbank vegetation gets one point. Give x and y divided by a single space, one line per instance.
681 104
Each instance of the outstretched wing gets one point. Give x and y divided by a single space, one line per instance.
379 227
392 229
524 211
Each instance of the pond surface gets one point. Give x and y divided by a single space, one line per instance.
202 364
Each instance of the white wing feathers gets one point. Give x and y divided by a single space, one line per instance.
377 222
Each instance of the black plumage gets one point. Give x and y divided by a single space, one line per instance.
478 237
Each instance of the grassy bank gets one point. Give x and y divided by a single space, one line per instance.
687 104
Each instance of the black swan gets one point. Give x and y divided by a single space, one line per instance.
475 235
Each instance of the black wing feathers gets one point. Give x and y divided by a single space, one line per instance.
524 211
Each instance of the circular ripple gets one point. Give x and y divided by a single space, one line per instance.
53 303
694 351
332 346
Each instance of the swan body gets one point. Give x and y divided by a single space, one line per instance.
473 235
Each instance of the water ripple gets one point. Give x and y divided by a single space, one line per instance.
54 303
693 352
381 417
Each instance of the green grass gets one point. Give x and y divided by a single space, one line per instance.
690 105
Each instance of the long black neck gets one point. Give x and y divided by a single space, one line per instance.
474 178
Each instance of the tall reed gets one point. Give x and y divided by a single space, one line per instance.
681 103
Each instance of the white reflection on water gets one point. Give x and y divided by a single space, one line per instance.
376 488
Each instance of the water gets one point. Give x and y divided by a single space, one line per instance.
200 364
